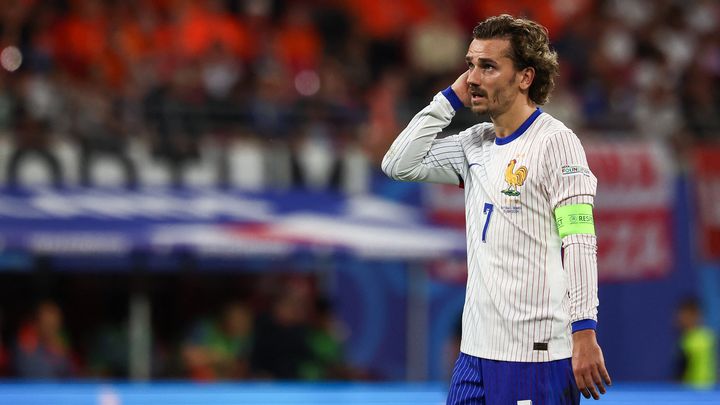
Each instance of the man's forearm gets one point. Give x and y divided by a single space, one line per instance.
407 157
580 263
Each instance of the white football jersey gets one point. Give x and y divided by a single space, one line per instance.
519 301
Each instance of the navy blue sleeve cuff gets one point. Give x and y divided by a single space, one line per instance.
584 324
453 98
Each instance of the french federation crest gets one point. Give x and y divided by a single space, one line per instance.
515 178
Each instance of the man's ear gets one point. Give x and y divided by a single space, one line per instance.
527 76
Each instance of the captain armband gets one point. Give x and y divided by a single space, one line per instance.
575 219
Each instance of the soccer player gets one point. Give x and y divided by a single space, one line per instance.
528 331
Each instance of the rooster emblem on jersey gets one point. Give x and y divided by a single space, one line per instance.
515 178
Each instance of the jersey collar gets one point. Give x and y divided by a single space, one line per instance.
525 125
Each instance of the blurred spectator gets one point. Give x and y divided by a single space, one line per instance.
7 106
281 336
324 339
334 25
296 43
82 37
4 360
109 352
383 26
175 111
100 132
42 349
220 349
386 112
204 24
4 373
438 43
701 96
657 112
32 137
697 363
315 166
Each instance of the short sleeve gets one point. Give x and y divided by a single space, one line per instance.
568 176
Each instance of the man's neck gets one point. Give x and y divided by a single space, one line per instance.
506 123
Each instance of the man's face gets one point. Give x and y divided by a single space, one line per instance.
492 78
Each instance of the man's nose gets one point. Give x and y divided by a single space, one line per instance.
474 76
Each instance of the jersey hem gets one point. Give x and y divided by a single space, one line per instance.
527 357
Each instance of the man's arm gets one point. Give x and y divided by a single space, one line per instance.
416 154
580 261
571 187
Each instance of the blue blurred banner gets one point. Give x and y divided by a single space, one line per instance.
211 222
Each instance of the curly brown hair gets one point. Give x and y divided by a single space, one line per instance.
529 47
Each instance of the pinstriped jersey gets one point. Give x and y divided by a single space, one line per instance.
520 300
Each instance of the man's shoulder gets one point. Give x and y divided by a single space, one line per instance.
549 127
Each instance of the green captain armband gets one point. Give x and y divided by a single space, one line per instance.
575 219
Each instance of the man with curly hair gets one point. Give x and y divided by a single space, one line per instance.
528 332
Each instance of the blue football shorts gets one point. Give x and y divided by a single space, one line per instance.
477 381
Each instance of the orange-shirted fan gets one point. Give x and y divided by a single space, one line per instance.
382 19
200 29
297 43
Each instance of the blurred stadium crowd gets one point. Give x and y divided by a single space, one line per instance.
269 327
265 94
272 93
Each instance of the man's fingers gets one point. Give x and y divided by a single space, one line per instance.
598 381
604 373
586 385
593 391
582 385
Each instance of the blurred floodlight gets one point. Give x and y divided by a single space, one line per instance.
11 58
307 82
